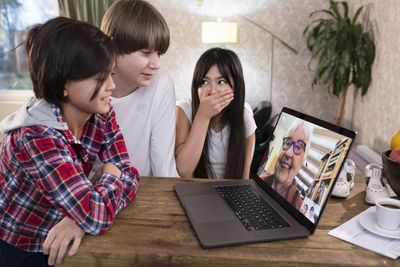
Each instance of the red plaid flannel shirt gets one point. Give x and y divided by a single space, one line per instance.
43 177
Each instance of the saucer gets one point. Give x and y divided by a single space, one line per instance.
368 221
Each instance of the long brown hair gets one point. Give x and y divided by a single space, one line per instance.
230 68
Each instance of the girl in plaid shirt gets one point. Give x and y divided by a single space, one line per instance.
46 197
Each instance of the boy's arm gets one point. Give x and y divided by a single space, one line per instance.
162 143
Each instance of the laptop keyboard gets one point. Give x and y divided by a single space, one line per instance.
251 210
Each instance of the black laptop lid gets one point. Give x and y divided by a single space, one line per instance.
302 162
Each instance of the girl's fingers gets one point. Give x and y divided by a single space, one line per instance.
204 92
215 103
226 92
223 104
226 103
222 93
225 98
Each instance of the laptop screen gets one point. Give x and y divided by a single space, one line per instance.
303 159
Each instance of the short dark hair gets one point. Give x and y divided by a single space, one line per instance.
64 49
135 25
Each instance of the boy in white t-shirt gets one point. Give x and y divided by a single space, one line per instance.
144 99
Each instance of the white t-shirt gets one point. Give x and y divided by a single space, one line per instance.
218 142
147 120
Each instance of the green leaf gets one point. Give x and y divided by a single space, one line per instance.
329 48
334 7
315 47
315 32
370 49
322 11
321 71
345 9
328 29
330 74
343 53
344 35
306 29
357 32
342 78
367 83
309 42
357 15
312 35
314 23
346 58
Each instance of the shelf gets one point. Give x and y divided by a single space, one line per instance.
328 169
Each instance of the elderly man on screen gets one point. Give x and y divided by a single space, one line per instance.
294 150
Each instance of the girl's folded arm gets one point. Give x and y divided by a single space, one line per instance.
63 183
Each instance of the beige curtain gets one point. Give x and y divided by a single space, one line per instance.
91 11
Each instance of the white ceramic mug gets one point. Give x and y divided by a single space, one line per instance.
388 213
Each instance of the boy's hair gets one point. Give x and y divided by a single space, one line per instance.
135 25
62 50
229 66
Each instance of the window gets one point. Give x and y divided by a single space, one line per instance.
16 16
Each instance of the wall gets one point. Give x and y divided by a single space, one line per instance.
376 115
290 82
273 72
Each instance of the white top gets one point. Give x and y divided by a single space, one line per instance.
218 142
147 120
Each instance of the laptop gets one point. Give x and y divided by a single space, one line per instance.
284 199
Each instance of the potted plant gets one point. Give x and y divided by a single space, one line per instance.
343 51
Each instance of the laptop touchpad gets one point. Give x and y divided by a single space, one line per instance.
207 208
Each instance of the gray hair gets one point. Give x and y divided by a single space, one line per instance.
307 129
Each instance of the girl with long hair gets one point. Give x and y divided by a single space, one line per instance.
215 133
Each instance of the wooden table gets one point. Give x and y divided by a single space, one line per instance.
154 231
